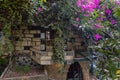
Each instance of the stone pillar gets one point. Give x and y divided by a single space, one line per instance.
54 74
85 69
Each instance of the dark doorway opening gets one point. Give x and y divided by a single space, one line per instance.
75 72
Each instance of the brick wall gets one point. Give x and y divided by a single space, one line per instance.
30 37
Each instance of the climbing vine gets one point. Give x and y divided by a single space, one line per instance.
58 50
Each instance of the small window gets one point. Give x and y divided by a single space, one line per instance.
42 36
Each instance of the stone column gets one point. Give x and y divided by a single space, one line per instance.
85 69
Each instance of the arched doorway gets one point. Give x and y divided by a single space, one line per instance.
75 72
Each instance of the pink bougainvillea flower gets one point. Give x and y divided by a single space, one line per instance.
78 3
92 5
112 21
88 8
96 2
83 7
97 36
117 2
108 11
87 5
39 9
77 19
87 15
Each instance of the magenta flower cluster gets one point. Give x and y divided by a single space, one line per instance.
87 5
97 36
39 9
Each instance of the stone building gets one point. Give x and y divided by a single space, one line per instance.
36 42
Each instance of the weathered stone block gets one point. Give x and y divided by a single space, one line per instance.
26 51
33 31
28 35
28 43
38 44
38 48
44 58
24 43
36 39
49 62
26 39
19 48
49 48
38 31
50 53
33 44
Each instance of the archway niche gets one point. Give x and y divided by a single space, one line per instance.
75 72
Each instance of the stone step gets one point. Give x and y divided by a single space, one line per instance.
46 62
46 58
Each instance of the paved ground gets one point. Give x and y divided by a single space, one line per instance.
43 77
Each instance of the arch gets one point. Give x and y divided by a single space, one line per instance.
75 72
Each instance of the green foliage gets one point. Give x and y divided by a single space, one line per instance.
23 69
58 50
5 46
3 61
117 13
14 13
106 66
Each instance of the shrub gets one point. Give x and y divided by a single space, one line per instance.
23 69
3 61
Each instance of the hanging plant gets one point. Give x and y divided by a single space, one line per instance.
58 50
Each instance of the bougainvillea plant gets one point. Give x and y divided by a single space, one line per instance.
98 20
102 31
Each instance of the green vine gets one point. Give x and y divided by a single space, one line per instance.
58 50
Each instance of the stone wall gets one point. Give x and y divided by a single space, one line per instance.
29 38
26 37
54 72
85 69
32 36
